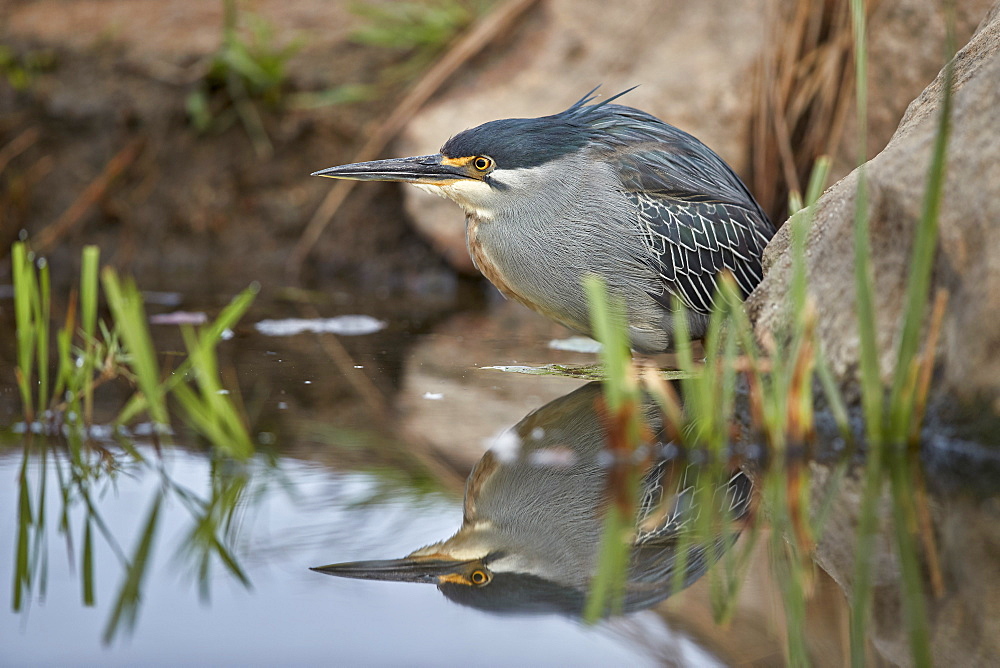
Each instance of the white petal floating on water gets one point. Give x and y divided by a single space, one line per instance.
344 325
179 318
580 371
434 396
518 368
576 344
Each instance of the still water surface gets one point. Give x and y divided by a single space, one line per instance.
301 506
372 467
289 615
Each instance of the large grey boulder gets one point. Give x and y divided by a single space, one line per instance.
967 262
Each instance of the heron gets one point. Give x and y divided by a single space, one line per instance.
534 512
598 189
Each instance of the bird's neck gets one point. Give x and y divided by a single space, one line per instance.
483 256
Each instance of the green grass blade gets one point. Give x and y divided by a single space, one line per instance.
88 324
43 314
607 589
608 323
88 290
198 415
863 555
211 335
232 437
691 387
66 368
25 296
126 306
834 490
87 567
801 224
905 523
871 384
126 606
231 314
922 263
817 179
22 570
622 399
211 412
230 562
834 398
40 564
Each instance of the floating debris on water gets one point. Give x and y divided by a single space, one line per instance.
179 318
581 371
344 325
576 344
434 396
586 371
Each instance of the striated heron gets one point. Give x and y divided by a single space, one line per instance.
534 511
596 189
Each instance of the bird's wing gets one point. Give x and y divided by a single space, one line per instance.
695 215
675 543
656 562
691 239
654 156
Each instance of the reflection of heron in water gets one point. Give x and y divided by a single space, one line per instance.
533 520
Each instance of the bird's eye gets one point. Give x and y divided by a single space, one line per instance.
479 577
482 163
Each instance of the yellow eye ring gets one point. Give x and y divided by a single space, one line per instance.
482 163
479 577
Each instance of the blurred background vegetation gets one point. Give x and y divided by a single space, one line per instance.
178 136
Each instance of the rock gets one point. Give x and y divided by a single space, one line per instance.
905 47
967 264
965 628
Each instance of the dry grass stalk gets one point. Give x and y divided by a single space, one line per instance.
802 93
50 236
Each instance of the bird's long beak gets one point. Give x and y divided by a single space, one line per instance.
426 169
430 570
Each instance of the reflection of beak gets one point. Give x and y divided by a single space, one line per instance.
427 169
431 570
